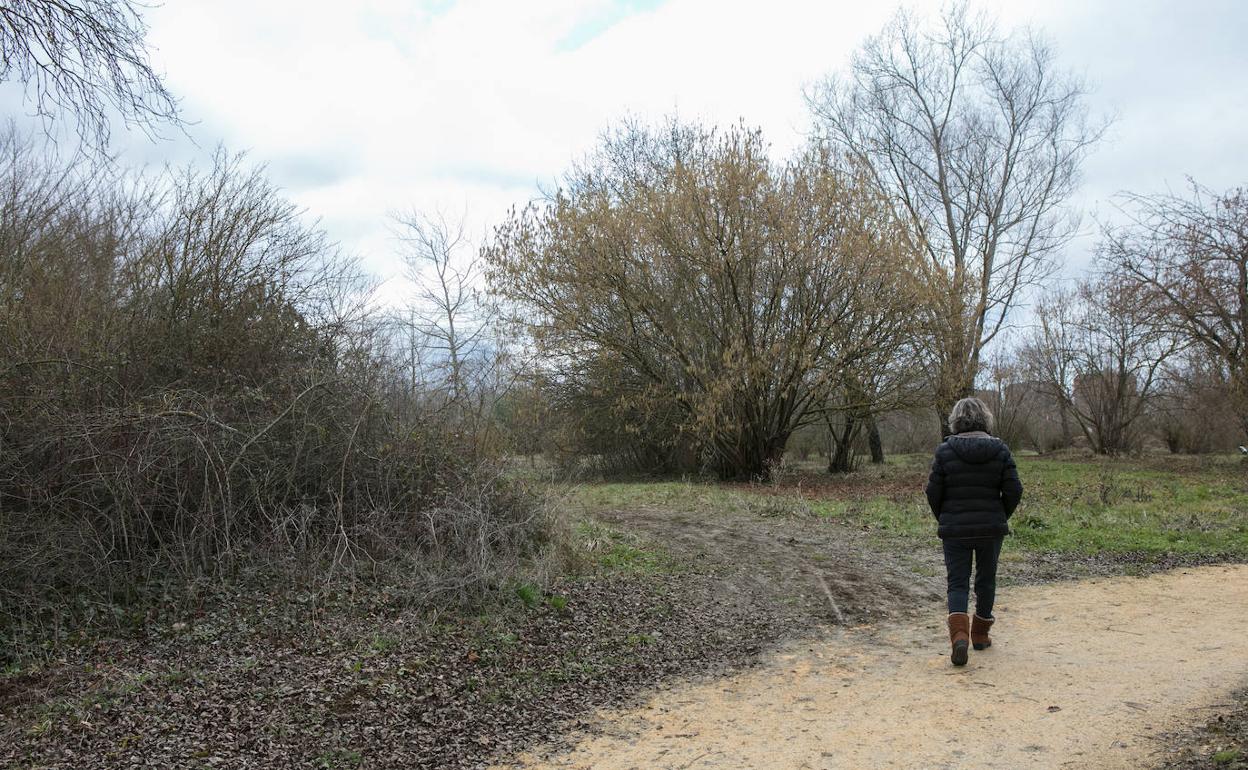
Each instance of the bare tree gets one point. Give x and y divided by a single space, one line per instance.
445 294
452 325
1010 396
1189 259
979 139
1100 353
87 59
1196 411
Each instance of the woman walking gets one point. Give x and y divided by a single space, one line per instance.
973 490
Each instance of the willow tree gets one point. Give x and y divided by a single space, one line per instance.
978 138
728 290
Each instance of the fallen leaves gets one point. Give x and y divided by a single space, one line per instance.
238 689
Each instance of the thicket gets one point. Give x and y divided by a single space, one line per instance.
696 302
191 383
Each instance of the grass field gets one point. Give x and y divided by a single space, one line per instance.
1154 505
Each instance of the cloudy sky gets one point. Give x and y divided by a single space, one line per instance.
363 108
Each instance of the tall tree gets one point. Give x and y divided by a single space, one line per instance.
979 139
457 356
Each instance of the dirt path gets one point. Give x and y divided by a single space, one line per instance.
1081 675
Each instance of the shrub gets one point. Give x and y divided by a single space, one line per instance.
188 382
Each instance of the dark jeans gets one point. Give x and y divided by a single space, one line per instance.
958 555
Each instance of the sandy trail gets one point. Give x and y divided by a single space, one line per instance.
1080 675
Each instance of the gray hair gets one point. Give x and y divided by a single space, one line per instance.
970 414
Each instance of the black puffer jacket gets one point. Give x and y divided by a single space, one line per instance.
973 488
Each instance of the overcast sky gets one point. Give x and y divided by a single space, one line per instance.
362 108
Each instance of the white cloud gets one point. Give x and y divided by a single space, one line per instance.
363 108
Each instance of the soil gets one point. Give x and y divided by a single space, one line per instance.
813 570
789 558
1081 674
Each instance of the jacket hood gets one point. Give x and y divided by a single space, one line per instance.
975 447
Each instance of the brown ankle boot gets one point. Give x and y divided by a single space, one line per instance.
979 632
959 636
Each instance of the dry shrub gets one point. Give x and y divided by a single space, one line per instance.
188 383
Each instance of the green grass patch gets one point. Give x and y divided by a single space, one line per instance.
1123 505
662 494
1226 757
1156 505
529 594
607 549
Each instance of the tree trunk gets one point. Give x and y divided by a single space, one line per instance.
873 439
749 457
942 414
1068 435
843 446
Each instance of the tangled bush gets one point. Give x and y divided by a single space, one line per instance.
188 378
